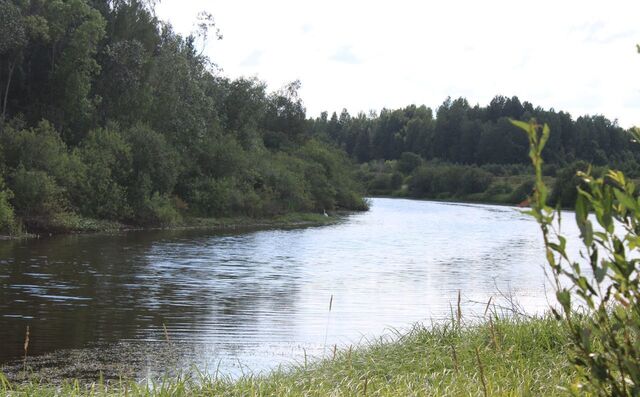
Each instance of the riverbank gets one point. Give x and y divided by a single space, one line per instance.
73 224
497 357
503 190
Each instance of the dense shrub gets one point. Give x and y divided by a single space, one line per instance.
473 180
36 194
408 162
212 197
107 157
522 192
438 179
8 224
158 210
564 192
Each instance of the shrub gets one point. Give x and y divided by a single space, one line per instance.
108 161
606 335
395 182
408 162
212 197
36 194
158 210
8 224
523 191
474 180
564 192
380 183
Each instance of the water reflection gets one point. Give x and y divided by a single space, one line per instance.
260 298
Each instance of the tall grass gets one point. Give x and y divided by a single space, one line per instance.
513 356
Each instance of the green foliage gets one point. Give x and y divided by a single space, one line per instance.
8 224
474 135
565 192
605 334
408 162
12 28
154 173
36 194
117 117
108 161
433 180
523 191
282 185
40 148
158 210
212 197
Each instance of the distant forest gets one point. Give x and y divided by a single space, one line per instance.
465 134
106 113
474 152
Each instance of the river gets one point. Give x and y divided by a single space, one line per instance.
147 302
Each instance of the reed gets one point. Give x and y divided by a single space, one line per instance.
26 348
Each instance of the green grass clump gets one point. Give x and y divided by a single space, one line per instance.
498 357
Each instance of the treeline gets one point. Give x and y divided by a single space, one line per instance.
107 113
464 134
473 152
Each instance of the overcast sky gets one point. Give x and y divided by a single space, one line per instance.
577 56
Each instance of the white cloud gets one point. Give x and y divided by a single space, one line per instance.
252 59
570 55
345 54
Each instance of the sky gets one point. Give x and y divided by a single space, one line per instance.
575 56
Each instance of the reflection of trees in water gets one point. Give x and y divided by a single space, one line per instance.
131 284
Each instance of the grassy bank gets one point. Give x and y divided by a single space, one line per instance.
71 223
498 357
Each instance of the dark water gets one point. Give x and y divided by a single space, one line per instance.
255 300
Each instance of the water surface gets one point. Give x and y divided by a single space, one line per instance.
252 301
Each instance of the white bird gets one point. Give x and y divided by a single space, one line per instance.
325 213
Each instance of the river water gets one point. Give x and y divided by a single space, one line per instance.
141 302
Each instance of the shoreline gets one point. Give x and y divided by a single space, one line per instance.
291 220
512 355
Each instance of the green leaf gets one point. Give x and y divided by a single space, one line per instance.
521 124
581 210
625 199
600 272
564 297
545 136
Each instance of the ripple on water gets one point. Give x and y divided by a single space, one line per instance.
259 298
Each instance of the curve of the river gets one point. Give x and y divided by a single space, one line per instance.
255 300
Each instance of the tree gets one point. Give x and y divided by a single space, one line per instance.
74 31
13 38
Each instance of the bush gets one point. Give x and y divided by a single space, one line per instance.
380 183
283 185
212 197
443 181
522 192
395 182
500 188
152 156
158 210
108 161
564 192
40 148
605 335
474 180
8 224
408 162
36 194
